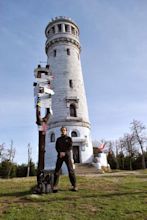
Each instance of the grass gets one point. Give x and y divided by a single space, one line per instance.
100 198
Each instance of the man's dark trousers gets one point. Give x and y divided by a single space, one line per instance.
67 160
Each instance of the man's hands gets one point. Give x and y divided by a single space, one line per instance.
62 154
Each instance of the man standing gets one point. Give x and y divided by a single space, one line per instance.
63 147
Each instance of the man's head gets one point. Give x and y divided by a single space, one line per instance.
63 130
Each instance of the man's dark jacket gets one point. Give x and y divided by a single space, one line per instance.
64 144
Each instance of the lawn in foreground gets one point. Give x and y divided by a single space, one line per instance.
110 197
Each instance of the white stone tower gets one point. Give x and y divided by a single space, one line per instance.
69 102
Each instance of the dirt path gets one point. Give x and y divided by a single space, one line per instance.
118 173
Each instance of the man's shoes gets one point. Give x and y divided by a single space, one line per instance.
55 189
74 189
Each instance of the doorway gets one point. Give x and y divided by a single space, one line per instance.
76 155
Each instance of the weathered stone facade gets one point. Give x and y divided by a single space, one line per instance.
69 102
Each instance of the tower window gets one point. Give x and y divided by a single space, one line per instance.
70 83
53 30
68 51
72 30
66 28
59 27
73 112
74 134
55 53
52 137
47 66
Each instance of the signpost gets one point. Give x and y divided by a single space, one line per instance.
42 97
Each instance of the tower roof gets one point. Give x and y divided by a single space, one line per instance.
62 29
58 19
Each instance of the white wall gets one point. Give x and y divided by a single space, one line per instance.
86 150
64 68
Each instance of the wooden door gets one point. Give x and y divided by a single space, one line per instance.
76 155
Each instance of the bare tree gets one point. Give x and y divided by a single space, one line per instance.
109 146
138 132
11 152
112 152
122 152
2 151
129 145
10 156
113 146
29 159
116 147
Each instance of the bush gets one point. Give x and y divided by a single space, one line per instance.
7 169
21 170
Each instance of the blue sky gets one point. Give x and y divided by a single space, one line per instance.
113 35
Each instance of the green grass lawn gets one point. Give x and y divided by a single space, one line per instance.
100 197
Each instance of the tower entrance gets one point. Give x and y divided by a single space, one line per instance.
76 155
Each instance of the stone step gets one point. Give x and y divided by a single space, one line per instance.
85 169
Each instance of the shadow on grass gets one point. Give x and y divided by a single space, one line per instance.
124 175
63 196
122 194
17 194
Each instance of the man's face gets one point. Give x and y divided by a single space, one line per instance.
63 131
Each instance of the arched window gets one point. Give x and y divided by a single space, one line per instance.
53 30
66 28
74 134
59 27
73 30
73 111
52 137
55 53
68 51
70 83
